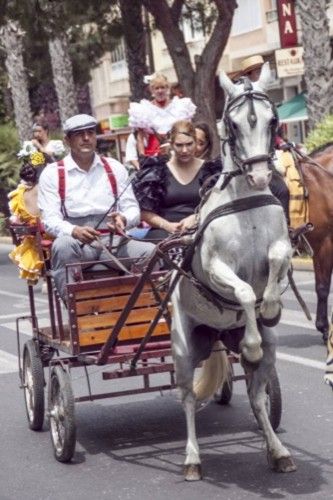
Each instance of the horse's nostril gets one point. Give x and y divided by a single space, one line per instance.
250 179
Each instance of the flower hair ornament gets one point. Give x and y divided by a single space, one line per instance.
32 167
148 78
37 159
27 148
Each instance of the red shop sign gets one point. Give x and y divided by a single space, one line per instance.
287 23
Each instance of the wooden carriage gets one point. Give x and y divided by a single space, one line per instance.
119 321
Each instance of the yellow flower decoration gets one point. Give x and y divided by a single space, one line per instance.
37 158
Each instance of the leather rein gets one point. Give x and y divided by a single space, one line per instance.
235 206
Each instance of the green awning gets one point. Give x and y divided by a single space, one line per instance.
293 110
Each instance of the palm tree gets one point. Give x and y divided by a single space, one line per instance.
63 76
53 19
318 64
12 40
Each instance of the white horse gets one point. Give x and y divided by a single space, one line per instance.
242 253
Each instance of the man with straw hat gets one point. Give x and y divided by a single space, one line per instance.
251 67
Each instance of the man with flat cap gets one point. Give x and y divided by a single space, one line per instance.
74 196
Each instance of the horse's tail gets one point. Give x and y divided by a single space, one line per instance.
214 374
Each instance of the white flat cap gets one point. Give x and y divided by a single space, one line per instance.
79 122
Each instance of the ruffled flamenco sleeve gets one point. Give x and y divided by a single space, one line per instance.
141 115
211 169
149 185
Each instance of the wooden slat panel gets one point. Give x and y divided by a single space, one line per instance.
110 319
119 289
112 303
127 333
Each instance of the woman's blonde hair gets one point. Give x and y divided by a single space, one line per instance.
182 127
158 79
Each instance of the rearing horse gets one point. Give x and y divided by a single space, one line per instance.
242 252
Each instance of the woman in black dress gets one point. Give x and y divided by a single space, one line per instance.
168 190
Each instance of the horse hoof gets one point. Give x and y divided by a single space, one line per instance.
282 464
270 322
192 472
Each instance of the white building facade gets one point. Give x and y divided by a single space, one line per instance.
255 30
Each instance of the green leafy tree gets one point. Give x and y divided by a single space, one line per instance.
322 134
79 34
9 164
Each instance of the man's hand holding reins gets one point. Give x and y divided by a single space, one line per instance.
116 222
85 234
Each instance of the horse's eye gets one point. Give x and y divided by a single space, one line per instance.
273 122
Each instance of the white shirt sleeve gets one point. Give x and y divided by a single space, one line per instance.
50 204
127 204
131 152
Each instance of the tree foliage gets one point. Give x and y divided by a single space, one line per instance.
92 29
322 134
9 164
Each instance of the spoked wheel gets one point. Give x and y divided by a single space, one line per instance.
273 400
62 415
224 394
33 383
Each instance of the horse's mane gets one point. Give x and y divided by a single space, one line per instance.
320 149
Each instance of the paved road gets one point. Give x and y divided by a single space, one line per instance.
133 447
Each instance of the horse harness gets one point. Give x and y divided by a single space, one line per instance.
235 206
249 95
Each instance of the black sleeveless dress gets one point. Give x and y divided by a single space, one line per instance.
158 191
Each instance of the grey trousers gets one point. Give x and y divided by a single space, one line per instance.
68 250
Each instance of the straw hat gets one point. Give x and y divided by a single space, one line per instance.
251 63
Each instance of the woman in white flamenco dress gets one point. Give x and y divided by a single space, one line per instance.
153 119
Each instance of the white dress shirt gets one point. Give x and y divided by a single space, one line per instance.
86 193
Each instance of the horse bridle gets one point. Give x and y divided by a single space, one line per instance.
249 95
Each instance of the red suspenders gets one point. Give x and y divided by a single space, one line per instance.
62 182
62 186
110 175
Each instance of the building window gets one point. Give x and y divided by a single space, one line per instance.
118 53
247 17
119 69
192 24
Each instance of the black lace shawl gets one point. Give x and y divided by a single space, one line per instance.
151 182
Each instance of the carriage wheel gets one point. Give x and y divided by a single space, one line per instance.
273 400
224 394
33 383
62 416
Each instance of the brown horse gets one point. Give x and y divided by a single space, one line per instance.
317 173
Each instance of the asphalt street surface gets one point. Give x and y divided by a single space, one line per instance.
133 447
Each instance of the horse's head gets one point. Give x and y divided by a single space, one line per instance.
249 124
